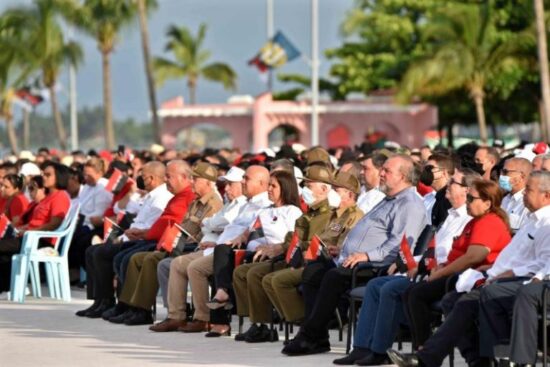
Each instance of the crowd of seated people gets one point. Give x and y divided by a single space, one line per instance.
285 235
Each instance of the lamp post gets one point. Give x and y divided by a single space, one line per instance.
314 72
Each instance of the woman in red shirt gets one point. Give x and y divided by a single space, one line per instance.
479 244
16 202
46 216
37 191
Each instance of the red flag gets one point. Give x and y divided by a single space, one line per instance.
405 254
292 247
120 216
116 181
239 256
314 248
169 239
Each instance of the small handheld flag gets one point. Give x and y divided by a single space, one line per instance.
116 181
169 239
405 260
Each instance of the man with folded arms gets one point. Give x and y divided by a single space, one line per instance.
375 240
99 264
141 286
196 267
527 254
282 286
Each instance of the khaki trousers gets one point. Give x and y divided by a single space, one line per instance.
251 297
194 268
141 285
282 289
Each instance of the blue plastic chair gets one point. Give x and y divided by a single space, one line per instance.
56 266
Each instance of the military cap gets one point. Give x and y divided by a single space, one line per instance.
319 174
317 154
205 170
347 181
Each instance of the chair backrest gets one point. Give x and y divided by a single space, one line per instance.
66 240
423 240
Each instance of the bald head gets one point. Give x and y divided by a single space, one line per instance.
178 176
255 181
153 174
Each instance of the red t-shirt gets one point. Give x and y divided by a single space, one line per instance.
56 204
173 213
17 207
3 202
489 231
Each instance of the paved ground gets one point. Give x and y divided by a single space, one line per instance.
43 332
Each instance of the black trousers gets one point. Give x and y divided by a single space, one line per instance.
312 277
417 302
82 239
8 248
335 283
224 264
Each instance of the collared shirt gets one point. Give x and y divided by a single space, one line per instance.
529 250
452 226
151 207
379 233
276 223
429 202
245 218
212 227
517 212
94 200
369 199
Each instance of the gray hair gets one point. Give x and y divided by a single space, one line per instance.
408 168
544 179
182 167
469 176
545 157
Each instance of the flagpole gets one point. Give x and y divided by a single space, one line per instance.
314 73
72 100
269 24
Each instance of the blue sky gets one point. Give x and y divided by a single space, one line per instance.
236 30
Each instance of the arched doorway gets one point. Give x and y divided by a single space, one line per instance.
283 134
203 135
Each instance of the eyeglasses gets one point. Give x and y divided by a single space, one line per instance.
454 182
471 198
505 171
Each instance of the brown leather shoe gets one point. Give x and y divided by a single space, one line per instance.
195 326
167 325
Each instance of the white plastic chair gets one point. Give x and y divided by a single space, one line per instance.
57 269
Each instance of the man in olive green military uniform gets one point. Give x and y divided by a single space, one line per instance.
282 286
251 297
141 285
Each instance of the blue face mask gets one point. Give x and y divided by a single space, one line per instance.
308 196
504 183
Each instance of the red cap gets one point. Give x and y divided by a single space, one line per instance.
540 148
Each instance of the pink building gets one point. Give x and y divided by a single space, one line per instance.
253 124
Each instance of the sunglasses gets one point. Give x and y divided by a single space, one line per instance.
471 198
454 182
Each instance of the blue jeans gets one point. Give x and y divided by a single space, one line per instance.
121 260
381 313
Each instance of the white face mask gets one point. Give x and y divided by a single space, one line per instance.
334 199
308 196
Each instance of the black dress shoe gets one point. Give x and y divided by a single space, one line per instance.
373 359
97 312
302 345
119 319
114 311
355 355
403 359
264 334
139 317
82 313
241 337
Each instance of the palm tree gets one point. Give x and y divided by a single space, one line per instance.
190 60
467 54
144 29
103 20
47 49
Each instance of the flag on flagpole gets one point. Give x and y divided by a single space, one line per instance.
275 53
169 238
116 181
405 260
